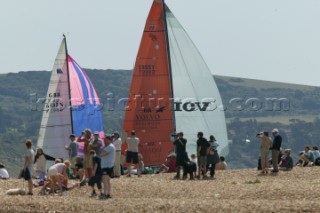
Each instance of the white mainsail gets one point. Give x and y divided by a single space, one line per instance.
194 87
56 119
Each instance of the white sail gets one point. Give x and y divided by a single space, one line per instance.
56 120
194 87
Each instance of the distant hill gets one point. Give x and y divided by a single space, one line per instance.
297 115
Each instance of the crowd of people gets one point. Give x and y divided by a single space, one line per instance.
281 159
100 162
207 158
103 160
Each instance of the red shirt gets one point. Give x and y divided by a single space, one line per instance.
172 164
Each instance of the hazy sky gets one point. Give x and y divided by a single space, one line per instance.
275 40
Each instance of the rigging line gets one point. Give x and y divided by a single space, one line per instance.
187 70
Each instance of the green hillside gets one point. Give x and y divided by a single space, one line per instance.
296 117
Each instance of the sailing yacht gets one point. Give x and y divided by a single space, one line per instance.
71 105
172 90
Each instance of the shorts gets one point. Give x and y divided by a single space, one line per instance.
107 171
87 161
95 179
132 157
202 161
53 172
26 174
73 162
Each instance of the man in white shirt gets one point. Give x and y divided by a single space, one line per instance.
117 143
107 163
132 153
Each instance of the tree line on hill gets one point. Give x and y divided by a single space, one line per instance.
19 120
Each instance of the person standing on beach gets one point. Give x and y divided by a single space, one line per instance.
41 163
73 152
107 163
212 155
276 145
96 174
265 146
27 170
180 148
132 153
87 161
117 143
96 144
202 149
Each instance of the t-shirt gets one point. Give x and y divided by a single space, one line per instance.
73 152
30 153
58 166
223 165
41 163
309 156
98 148
4 173
108 160
180 144
97 160
203 143
133 144
117 143
316 154
172 165
213 144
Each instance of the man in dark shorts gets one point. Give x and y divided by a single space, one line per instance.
96 174
107 163
202 147
180 148
132 153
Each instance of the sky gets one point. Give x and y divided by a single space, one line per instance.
277 40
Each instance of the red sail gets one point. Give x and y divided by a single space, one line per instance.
149 107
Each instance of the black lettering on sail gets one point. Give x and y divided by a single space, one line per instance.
189 107
204 106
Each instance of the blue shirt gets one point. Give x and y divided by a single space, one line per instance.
73 152
108 160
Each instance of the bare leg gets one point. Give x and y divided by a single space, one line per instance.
60 184
138 170
30 185
129 169
108 185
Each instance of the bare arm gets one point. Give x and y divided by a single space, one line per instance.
104 153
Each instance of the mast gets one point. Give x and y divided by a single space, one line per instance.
169 66
68 76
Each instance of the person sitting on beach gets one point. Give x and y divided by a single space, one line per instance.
316 155
222 165
169 166
3 172
286 163
306 157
